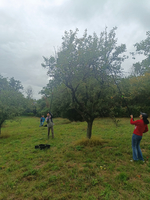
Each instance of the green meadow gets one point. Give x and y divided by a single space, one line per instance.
74 167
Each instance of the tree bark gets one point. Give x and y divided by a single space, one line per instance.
89 129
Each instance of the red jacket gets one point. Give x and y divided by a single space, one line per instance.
140 127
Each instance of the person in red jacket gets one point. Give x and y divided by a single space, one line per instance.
140 128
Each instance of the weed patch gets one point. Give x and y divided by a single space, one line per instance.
30 172
122 177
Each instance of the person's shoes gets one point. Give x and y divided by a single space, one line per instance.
131 160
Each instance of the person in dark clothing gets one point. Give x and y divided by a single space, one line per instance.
140 128
49 120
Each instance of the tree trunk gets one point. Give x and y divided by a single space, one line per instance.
89 129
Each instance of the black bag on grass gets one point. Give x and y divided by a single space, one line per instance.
42 146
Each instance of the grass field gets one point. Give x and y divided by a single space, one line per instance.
73 167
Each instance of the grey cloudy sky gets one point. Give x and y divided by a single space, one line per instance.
30 29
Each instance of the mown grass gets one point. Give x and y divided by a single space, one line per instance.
73 167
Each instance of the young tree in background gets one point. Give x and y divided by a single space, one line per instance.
84 66
29 92
30 102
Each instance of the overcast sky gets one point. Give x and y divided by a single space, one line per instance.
30 29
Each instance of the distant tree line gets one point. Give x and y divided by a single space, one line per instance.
12 101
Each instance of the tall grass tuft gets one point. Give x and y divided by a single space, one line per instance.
94 141
4 136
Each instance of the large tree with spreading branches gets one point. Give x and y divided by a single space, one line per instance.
85 68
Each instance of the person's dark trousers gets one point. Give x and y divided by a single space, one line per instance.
52 131
137 153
